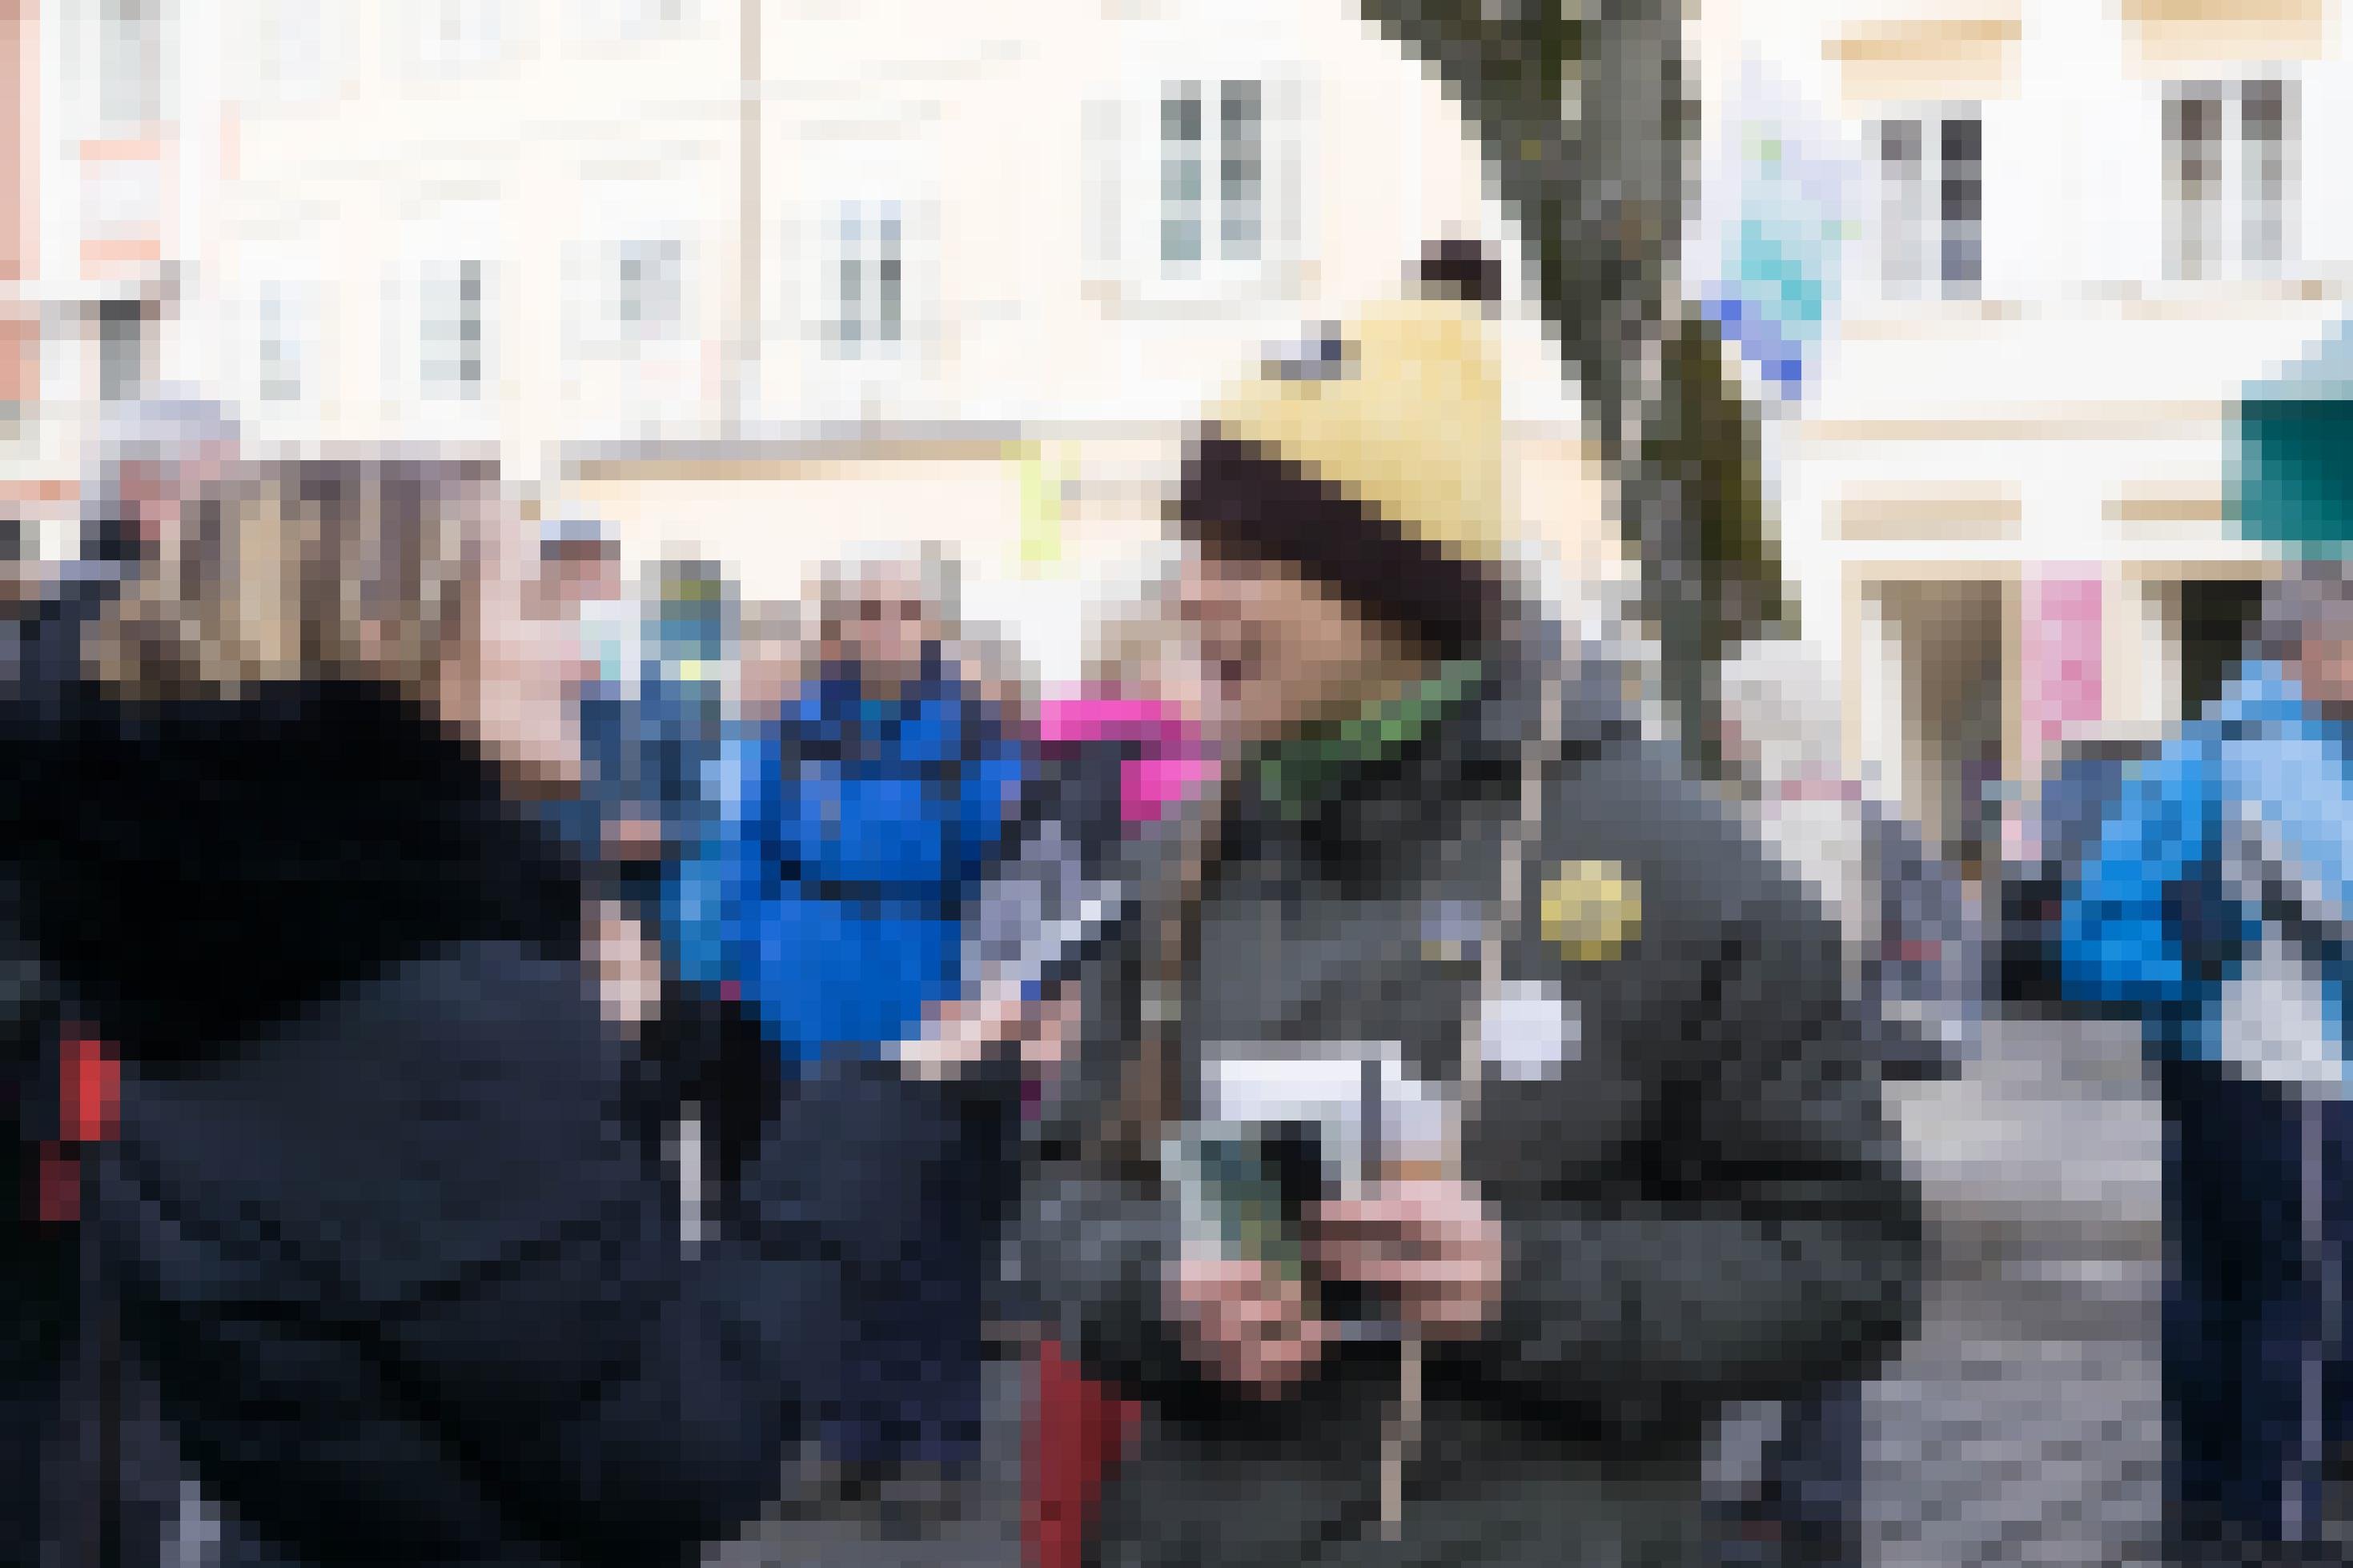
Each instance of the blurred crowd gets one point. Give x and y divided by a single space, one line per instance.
516 1065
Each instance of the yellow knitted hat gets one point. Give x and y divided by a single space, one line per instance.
1401 410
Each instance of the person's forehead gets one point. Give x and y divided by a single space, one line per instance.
895 580
159 463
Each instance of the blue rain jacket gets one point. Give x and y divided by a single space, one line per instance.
853 836
2165 917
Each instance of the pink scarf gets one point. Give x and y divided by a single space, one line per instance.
1173 760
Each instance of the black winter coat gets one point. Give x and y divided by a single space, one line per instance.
376 1222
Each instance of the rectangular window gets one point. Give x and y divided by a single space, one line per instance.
450 324
870 279
1961 201
292 51
281 328
460 34
1931 205
1242 162
2193 150
1218 126
130 66
2262 163
1903 207
647 292
2229 148
1180 176
610 20
121 351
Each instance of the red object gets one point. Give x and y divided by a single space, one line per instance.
89 1089
90 1093
1079 1430
59 1197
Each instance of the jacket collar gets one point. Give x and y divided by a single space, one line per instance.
1402 776
197 869
1301 775
2263 691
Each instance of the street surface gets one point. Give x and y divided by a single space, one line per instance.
2021 1426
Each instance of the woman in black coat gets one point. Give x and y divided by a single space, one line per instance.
372 1215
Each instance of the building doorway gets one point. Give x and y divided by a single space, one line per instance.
2216 616
1937 710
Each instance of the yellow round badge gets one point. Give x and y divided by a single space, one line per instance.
1590 909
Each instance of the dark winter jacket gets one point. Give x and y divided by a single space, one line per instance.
374 1221
1680 1131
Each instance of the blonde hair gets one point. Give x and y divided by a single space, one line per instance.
309 570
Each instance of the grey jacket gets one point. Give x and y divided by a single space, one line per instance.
1701 1199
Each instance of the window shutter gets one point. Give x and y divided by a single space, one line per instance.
1290 101
783 336
921 282
1104 164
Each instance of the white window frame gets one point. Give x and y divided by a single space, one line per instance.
614 21
285 321
636 329
1924 233
441 37
1125 162
443 358
299 59
1219 268
836 378
2232 260
1220 159
107 39
866 279
455 231
142 338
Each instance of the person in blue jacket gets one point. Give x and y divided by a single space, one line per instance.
2211 913
859 831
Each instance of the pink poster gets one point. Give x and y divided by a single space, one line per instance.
2059 654
2062 656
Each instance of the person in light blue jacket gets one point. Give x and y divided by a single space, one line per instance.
2213 914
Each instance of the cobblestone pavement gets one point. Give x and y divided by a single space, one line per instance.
2023 1425
986 1535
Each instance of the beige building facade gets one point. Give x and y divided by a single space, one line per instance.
2082 228
760 281
114 146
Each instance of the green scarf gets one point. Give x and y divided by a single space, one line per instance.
1301 773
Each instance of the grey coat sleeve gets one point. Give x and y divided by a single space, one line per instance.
1094 1248
1769 1238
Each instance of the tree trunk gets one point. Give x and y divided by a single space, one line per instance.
1581 111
